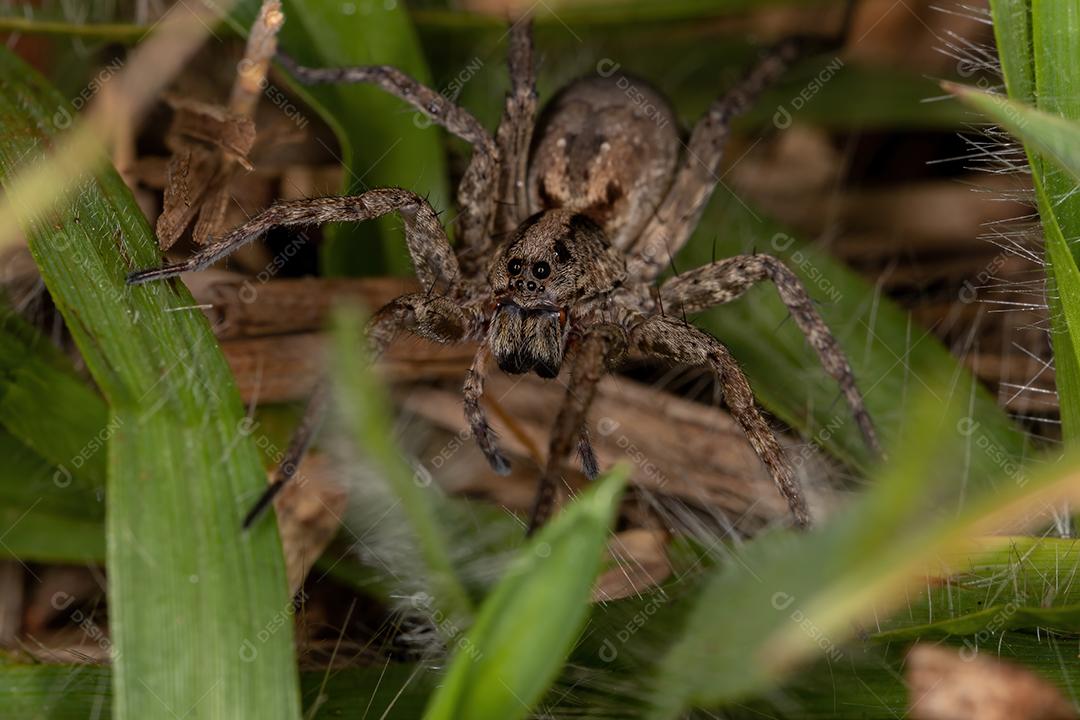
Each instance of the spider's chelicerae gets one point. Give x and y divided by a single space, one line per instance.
565 225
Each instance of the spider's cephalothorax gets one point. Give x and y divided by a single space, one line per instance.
554 262
562 244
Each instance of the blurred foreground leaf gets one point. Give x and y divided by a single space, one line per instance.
528 624
189 594
784 599
77 692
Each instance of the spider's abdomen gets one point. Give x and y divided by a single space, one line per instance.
605 147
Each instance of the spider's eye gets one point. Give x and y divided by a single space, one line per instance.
541 270
515 266
561 253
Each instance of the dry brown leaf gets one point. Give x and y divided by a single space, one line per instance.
945 684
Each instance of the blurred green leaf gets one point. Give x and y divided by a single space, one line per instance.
46 405
383 141
787 596
1052 135
1011 582
366 414
76 692
527 626
180 473
865 681
47 515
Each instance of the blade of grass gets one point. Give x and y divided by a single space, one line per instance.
46 515
189 595
736 640
1039 46
46 405
867 683
788 598
1011 582
1052 135
77 692
366 414
527 626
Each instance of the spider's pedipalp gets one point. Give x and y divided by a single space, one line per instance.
671 340
475 416
725 280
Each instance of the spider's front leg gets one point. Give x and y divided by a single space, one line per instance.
600 346
429 315
725 280
482 432
431 254
675 341
479 191
515 132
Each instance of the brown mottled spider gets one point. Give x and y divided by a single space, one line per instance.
589 211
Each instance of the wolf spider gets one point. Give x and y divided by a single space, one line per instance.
592 209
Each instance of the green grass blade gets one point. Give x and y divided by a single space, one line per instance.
46 405
189 594
1039 46
366 413
383 141
47 515
787 596
53 441
790 597
1051 135
79 692
527 626
867 683
1013 582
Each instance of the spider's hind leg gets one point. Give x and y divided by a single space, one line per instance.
678 214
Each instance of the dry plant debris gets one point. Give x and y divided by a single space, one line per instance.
945 684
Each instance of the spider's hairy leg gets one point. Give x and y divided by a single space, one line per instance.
475 415
678 214
515 131
725 280
479 184
432 256
675 341
433 317
601 345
